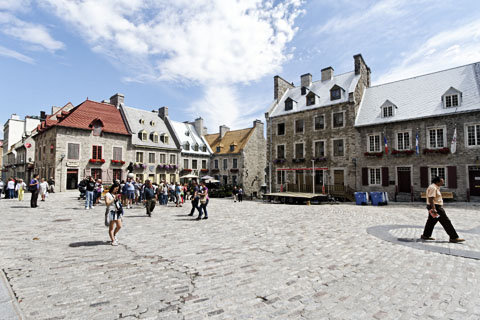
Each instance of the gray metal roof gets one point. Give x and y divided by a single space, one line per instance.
186 132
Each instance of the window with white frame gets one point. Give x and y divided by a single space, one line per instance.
117 153
225 164
319 122
280 151
338 120
403 140
374 176
299 154
163 158
319 149
139 157
185 163
288 104
235 163
438 171
473 135
338 148
204 164
451 101
155 137
186 146
280 177
374 143
436 138
299 126
151 157
194 164
173 159
215 164
387 111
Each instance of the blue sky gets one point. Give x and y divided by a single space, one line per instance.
216 58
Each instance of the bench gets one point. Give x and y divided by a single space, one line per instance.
445 195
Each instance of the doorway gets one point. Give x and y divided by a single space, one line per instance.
404 179
338 177
474 179
72 179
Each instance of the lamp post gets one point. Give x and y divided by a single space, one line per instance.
62 156
313 176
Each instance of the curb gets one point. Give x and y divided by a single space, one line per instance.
9 308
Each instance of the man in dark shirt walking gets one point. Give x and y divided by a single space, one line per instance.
195 199
33 187
150 197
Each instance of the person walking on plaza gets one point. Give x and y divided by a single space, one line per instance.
51 185
178 195
2 184
113 213
20 188
43 188
33 188
436 213
89 193
240 194
97 193
11 188
195 199
235 194
203 202
150 197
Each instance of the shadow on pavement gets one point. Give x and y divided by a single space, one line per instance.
191 219
88 244
20 207
142 216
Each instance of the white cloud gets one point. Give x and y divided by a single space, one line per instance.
16 55
210 43
447 49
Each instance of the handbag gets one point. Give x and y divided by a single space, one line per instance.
107 218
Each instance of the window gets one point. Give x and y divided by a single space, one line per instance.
73 152
218 149
374 176
44 153
187 146
234 180
139 157
281 151
232 148
164 138
387 111
141 121
216 164
281 177
194 164
403 141
142 135
473 135
151 157
338 149
436 138
319 122
117 153
451 101
204 164
195 147
299 151
185 163
374 143
438 172
338 120
225 164
288 104
97 152
204 148
172 178
152 123
319 149
163 158
97 128
299 126
96 173
155 137
310 99
235 163
117 174
173 159
225 179
280 129
335 94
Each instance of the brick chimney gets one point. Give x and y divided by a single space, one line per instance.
327 74
117 99
223 129
280 86
306 80
163 112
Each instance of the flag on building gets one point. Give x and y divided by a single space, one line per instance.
453 146
417 149
386 144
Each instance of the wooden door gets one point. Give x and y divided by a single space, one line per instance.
404 179
474 177
338 177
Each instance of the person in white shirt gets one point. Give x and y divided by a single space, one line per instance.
20 188
11 189
43 188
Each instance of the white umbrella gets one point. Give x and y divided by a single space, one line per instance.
189 176
206 178
212 181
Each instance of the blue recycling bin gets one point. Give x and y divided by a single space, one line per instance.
361 198
377 198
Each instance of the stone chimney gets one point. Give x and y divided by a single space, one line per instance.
327 74
117 99
55 109
306 80
361 67
280 86
198 124
223 129
257 124
163 112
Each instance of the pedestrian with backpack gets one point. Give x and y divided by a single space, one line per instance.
150 197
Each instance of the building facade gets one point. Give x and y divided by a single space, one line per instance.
239 157
311 137
431 126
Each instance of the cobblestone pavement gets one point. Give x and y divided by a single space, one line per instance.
250 260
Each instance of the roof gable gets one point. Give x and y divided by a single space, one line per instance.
237 138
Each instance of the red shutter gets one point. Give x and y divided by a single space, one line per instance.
424 177
452 177
365 176
385 176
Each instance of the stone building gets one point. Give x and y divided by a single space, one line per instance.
426 111
312 126
90 139
25 155
154 148
239 157
195 151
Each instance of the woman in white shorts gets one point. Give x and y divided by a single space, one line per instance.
115 212
43 188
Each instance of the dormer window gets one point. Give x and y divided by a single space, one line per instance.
232 148
310 98
304 91
335 93
164 138
154 137
387 111
195 147
97 127
187 146
142 135
288 104
152 123
218 149
141 121
451 101
204 148
452 98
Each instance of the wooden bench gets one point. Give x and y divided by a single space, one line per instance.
445 195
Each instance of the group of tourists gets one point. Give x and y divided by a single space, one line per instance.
237 194
14 188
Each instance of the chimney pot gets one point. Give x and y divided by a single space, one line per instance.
163 112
